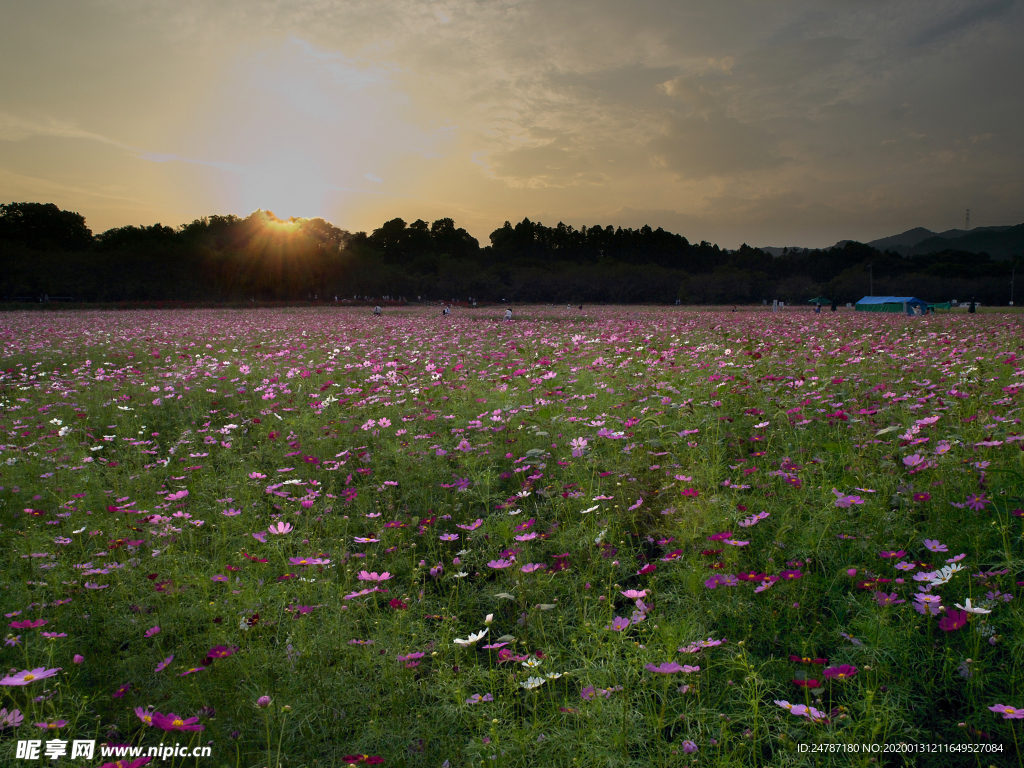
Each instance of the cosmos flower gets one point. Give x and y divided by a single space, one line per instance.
29 676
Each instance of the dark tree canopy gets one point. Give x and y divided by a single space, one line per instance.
44 226
44 250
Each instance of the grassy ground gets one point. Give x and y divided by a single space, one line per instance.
620 537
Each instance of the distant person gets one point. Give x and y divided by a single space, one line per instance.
446 311
581 307
971 309
734 309
817 308
508 315
377 310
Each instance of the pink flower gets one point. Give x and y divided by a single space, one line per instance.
152 631
78 659
177 496
374 576
26 676
499 564
280 528
163 664
668 668
933 545
1008 713
173 722
11 719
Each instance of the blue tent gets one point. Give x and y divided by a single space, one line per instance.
904 304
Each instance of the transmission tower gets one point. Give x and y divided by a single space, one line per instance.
967 220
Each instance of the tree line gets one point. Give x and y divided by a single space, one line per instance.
46 251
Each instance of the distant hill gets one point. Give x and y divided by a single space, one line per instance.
997 242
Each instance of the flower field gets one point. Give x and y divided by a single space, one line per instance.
615 537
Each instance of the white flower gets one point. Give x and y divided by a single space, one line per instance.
488 619
945 574
585 511
532 682
532 663
553 675
472 638
972 608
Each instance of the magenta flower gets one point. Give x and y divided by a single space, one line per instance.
790 575
1008 713
52 726
173 722
842 672
373 576
887 553
531 567
618 624
845 501
883 599
27 624
163 664
29 676
977 503
668 668
449 537
145 715
953 620
472 526
499 564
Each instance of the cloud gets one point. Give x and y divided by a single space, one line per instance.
698 147
965 19
542 165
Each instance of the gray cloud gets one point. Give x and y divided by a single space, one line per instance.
699 147
966 18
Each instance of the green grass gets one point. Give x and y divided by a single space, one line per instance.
665 373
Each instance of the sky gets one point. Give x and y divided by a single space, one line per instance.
789 122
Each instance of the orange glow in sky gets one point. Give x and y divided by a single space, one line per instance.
796 122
